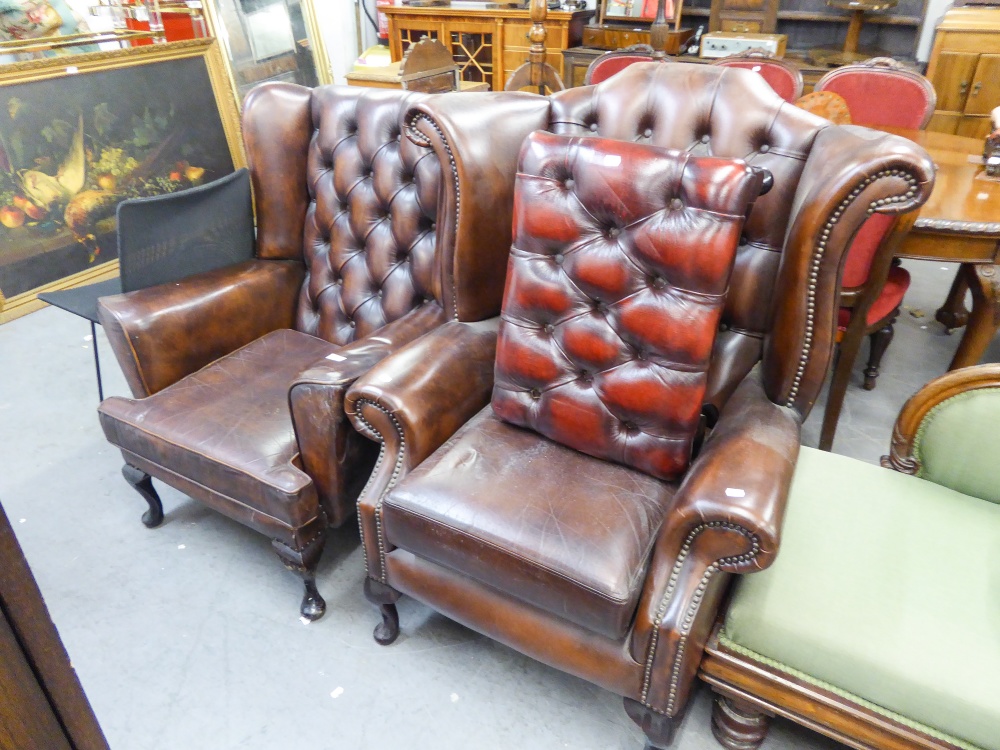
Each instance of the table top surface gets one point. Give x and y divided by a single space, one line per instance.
963 200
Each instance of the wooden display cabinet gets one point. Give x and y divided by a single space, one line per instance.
487 44
965 71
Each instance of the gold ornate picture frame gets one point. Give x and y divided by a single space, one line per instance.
80 133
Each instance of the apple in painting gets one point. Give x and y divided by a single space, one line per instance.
11 217
32 211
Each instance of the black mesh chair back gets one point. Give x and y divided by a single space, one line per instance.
166 238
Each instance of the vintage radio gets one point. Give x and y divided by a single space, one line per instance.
724 43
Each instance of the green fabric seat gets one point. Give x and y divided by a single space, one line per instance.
887 590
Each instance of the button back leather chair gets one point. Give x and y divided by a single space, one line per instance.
611 574
239 374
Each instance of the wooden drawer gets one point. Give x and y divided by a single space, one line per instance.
944 122
611 39
513 58
742 26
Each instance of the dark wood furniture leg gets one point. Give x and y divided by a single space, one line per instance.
880 341
953 313
385 598
302 562
846 354
143 484
658 728
737 725
984 281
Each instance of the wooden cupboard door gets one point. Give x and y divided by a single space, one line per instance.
953 79
473 45
984 93
409 31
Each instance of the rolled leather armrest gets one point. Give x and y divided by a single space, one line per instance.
834 198
478 210
726 518
429 388
327 446
163 333
411 403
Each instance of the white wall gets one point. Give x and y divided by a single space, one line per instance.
935 9
336 21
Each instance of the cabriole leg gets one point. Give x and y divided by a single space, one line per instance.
385 598
143 484
302 561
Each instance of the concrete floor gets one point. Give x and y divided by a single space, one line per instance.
188 636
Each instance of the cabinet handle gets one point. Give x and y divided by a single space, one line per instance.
976 87
963 88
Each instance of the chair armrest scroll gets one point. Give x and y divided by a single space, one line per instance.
163 333
726 518
411 403
478 209
919 405
850 174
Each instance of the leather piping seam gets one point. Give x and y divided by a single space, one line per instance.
417 137
396 471
230 498
518 558
692 609
817 259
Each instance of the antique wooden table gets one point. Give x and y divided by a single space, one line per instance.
961 223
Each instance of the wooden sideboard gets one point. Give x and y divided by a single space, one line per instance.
965 71
576 60
487 44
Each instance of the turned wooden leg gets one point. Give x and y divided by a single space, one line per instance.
984 281
879 342
385 598
953 314
143 484
737 725
658 728
303 561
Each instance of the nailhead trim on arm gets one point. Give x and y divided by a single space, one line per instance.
692 609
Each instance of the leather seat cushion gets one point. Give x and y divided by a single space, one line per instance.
885 589
228 426
534 519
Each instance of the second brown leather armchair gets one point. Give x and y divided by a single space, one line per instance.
597 569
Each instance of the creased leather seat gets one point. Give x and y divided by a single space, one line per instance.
363 245
576 545
723 508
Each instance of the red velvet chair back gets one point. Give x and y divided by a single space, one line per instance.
880 92
607 65
616 284
784 78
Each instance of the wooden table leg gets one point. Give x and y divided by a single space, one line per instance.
953 313
854 31
984 281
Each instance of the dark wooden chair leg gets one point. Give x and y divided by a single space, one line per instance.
846 354
143 484
658 728
880 341
737 725
302 561
385 598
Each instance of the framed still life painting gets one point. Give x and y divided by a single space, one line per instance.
80 134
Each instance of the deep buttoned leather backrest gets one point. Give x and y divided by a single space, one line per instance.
616 283
717 111
339 187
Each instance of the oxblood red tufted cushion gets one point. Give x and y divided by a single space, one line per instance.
615 286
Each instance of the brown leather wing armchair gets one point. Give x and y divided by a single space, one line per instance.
607 573
363 245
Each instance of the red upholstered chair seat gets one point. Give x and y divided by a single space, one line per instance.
891 298
611 309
